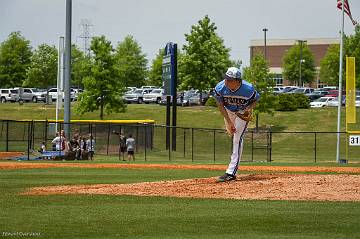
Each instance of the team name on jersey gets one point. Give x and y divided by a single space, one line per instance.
234 100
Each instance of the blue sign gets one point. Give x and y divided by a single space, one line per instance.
168 69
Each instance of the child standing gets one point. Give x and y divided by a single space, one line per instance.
130 144
90 146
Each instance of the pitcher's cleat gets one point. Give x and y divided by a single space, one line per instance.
226 177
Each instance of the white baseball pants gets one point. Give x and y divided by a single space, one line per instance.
237 142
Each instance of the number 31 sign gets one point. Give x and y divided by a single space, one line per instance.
354 140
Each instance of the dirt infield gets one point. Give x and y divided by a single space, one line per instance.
269 183
257 186
278 169
7 155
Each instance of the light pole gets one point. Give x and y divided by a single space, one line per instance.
265 53
301 60
67 64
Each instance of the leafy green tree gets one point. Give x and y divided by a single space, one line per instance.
80 66
102 88
155 73
15 54
259 75
43 68
131 62
237 63
291 64
205 58
352 48
329 66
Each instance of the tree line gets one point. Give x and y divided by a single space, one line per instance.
202 61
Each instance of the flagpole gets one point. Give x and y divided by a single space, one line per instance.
340 84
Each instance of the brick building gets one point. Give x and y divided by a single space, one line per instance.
276 49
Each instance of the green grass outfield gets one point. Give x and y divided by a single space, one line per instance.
287 147
324 119
102 216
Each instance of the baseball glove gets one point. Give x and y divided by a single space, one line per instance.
246 116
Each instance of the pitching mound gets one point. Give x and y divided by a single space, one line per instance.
256 186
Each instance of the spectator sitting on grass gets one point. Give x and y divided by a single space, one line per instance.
75 145
42 147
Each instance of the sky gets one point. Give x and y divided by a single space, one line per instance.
153 23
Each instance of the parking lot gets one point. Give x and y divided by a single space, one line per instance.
34 95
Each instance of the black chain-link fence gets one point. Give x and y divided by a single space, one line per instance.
192 144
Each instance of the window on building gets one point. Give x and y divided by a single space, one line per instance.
278 80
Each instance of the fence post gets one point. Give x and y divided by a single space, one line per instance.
45 131
108 139
152 129
33 134
270 148
252 146
192 144
145 128
29 140
214 144
169 148
7 136
184 141
137 137
315 146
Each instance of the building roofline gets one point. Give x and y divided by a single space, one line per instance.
291 42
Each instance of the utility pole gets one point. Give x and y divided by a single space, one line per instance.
265 50
301 60
85 25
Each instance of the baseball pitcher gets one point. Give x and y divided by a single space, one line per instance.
235 98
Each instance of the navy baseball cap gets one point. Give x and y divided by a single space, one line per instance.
233 73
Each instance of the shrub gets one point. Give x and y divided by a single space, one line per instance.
211 102
286 102
302 101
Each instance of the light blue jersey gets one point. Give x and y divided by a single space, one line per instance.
236 100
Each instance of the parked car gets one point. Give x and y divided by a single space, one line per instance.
195 99
185 96
77 92
130 89
5 95
329 88
154 96
53 93
302 90
148 87
357 101
136 96
335 102
277 90
178 99
33 94
321 102
27 94
316 94
288 89
335 93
